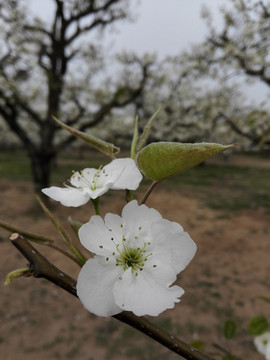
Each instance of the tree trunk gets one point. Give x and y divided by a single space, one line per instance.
41 165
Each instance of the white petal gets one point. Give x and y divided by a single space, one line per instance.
98 191
97 179
138 220
86 181
126 174
96 237
172 244
162 271
143 295
114 224
267 352
95 287
67 196
83 179
262 343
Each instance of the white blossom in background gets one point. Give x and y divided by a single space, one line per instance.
137 259
92 183
262 344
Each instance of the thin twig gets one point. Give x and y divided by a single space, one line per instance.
62 251
226 351
41 267
62 232
40 239
148 192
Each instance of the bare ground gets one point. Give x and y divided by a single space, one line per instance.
231 267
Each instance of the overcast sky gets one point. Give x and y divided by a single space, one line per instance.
162 26
165 27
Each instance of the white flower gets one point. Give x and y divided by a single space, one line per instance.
137 258
262 343
92 183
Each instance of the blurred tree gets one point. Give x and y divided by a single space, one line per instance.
239 48
201 90
51 68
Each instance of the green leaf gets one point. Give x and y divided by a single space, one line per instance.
134 140
264 298
258 325
146 131
229 329
100 145
197 344
15 274
160 160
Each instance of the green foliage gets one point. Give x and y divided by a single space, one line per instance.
160 160
98 144
14 164
264 298
15 274
146 131
135 139
250 187
197 344
258 325
228 357
229 329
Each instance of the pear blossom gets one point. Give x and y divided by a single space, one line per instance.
262 343
137 258
92 183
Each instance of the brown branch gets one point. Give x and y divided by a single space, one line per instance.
99 19
9 113
148 192
42 268
236 129
114 103
266 13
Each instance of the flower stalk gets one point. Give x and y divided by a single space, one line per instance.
64 235
148 192
96 205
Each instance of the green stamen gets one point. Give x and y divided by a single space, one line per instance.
94 185
129 257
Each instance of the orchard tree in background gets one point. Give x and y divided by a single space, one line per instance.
240 49
200 91
198 106
51 68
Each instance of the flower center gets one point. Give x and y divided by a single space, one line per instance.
130 257
85 179
95 184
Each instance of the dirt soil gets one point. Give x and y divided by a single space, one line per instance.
231 267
